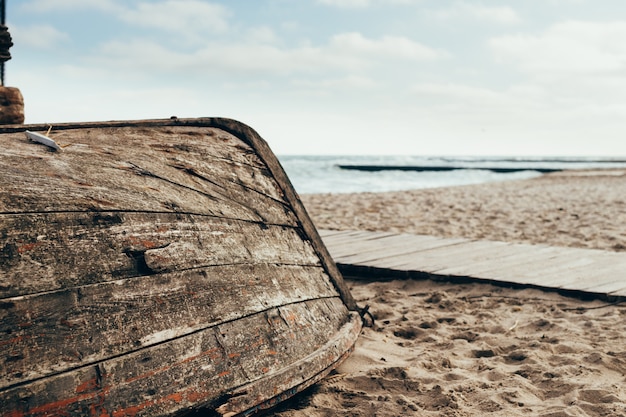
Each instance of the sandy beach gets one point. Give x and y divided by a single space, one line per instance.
442 349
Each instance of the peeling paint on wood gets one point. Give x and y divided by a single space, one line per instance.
118 240
156 267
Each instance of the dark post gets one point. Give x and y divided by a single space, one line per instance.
3 13
5 40
11 100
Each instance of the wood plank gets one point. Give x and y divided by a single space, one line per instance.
97 172
403 254
56 331
63 250
500 255
388 244
609 278
548 267
432 259
190 371
353 245
603 286
557 270
617 290
571 269
325 233
352 237
518 265
593 277
337 349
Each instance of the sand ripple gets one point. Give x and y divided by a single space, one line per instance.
441 349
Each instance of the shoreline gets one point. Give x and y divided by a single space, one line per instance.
578 208
461 350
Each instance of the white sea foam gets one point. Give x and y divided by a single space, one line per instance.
321 174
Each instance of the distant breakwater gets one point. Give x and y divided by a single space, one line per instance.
427 168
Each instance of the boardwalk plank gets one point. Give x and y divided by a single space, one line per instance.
346 248
437 258
501 258
382 249
487 257
605 278
572 269
619 289
534 268
359 236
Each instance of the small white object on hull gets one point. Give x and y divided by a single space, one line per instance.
38 137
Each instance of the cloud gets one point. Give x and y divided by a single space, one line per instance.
192 20
190 17
579 65
354 43
229 59
347 53
485 105
138 54
569 85
572 47
261 34
346 3
349 82
456 93
360 4
41 37
44 6
461 10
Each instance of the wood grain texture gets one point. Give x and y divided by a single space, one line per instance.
188 371
64 250
151 267
572 270
135 169
55 331
256 150
254 396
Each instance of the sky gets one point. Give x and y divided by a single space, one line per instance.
337 77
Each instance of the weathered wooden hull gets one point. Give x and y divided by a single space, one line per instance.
157 267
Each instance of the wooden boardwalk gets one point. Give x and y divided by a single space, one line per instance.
572 270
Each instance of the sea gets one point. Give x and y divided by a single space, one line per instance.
311 174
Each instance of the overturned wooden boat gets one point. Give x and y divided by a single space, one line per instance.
159 267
